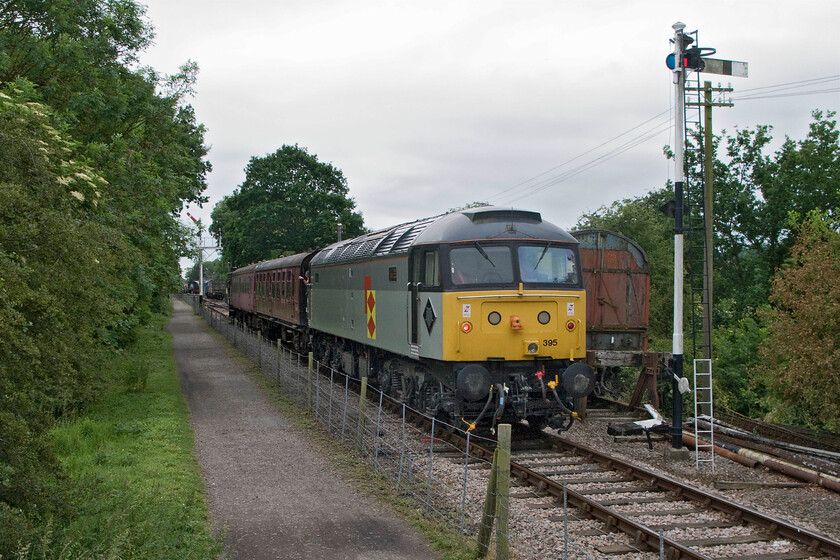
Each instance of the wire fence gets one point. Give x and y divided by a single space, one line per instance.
448 483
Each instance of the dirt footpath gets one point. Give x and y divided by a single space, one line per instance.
271 494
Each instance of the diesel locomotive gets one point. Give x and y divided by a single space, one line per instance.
477 315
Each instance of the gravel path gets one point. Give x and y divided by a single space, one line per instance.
271 495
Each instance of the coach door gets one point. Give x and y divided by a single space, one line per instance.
424 276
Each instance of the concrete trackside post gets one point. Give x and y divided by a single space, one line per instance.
503 492
485 529
360 430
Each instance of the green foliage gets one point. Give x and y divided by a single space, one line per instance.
94 166
289 203
802 349
133 486
736 348
758 198
147 146
51 241
759 201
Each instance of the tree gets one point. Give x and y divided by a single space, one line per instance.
802 350
146 145
62 292
757 200
289 203
95 165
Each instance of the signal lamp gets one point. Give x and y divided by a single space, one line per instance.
570 325
466 327
692 59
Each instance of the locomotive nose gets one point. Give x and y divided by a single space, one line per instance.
578 380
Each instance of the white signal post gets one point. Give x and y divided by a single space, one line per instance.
679 179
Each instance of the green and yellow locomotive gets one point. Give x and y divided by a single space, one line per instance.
476 315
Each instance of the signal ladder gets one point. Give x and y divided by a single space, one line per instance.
695 219
704 439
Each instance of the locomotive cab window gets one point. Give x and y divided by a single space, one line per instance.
547 264
480 264
426 268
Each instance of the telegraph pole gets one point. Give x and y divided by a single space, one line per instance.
708 208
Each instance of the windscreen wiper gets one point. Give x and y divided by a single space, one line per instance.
483 253
545 249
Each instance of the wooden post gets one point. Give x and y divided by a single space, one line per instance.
360 431
485 530
503 492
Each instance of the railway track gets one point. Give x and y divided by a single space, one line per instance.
640 503
630 499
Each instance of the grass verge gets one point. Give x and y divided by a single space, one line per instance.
135 487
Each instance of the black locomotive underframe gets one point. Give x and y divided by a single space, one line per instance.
430 385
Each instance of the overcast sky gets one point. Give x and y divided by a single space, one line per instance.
427 105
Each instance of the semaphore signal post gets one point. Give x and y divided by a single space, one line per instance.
683 60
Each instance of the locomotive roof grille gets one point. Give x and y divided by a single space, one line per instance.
390 241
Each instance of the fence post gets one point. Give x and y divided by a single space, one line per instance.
259 350
565 523
503 492
376 437
360 430
402 451
329 403
344 414
464 490
431 461
485 530
277 367
309 382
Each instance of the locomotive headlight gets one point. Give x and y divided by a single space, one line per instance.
544 317
466 327
494 318
531 347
